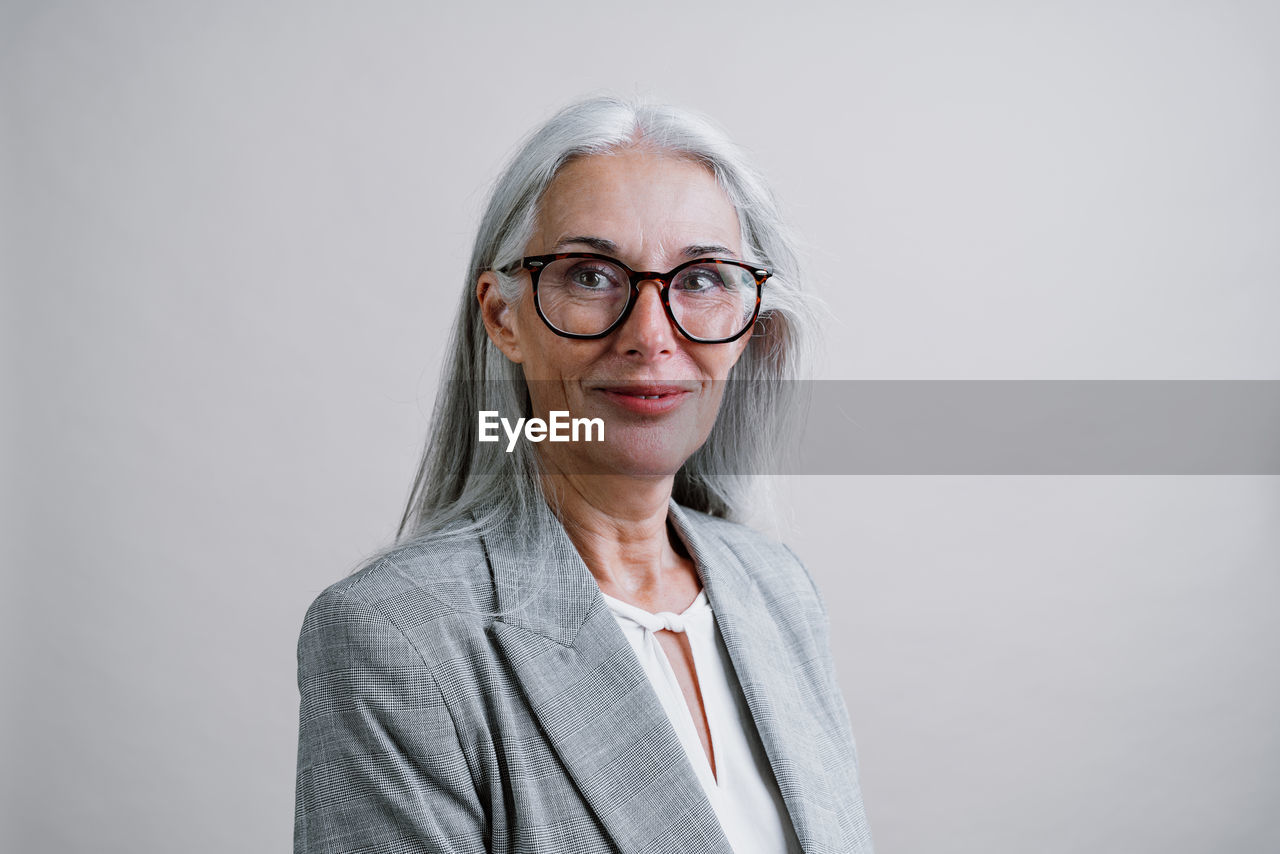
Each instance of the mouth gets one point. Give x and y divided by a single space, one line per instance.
646 398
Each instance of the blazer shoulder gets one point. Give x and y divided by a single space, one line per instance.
725 530
433 586
769 561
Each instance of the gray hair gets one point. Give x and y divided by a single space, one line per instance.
462 486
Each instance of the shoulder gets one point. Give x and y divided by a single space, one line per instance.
769 562
730 533
418 595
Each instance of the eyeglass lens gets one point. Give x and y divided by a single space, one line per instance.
585 296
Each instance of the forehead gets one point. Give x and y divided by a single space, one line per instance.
646 202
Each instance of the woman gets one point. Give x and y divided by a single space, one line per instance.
573 646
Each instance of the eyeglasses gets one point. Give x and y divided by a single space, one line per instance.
585 295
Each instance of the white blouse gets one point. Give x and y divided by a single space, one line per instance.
745 796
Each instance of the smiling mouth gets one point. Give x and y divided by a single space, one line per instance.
647 399
646 391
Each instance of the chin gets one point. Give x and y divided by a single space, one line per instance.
628 465
643 458
649 453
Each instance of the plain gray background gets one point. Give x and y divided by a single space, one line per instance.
232 237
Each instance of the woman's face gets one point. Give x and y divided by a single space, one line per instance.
651 211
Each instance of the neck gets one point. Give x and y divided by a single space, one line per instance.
618 524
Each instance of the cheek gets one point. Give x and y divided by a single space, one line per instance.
551 361
717 364
540 349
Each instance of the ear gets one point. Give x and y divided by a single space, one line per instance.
499 318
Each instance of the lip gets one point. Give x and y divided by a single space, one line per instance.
646 398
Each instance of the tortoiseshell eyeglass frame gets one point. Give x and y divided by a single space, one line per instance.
535 264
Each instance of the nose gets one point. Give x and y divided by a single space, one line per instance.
648 330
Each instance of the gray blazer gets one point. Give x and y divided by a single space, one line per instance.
426 728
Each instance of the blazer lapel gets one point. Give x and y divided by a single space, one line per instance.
766 672
594 701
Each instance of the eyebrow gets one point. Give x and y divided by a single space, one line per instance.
600 244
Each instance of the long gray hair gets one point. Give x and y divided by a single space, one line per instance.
461 485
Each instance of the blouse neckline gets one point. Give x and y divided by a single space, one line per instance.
662 619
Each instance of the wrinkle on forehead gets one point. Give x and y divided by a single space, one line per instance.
652 205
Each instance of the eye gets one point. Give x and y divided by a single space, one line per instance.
700 279
594 277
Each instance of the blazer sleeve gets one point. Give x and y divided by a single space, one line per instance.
380 764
